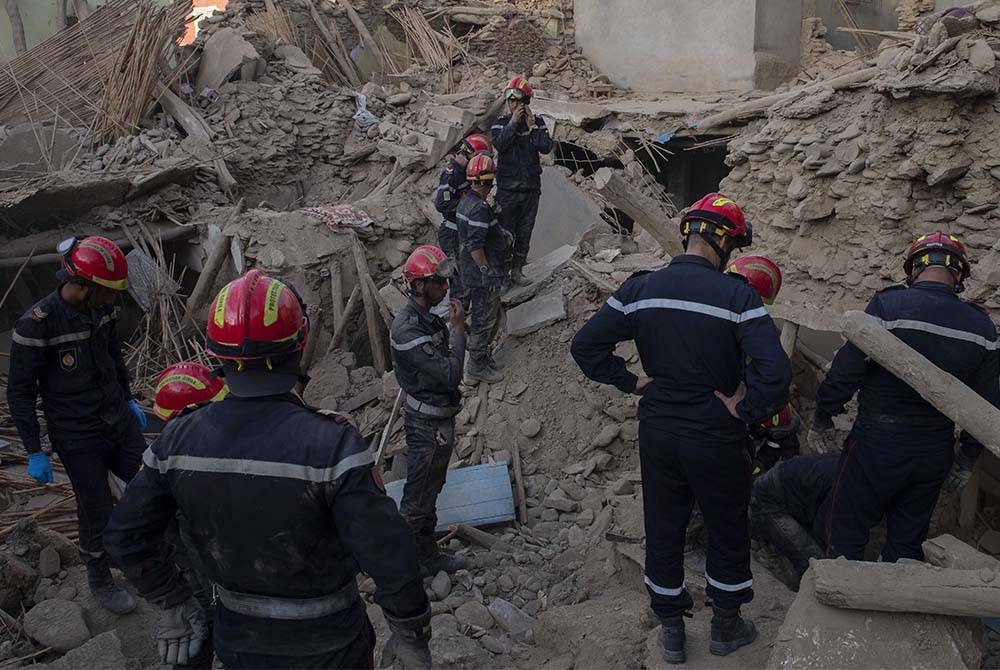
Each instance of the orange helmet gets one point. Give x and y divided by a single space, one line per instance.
256 317
941 250
717 215
762 273
183 385
519 89
475 143
427 261
481 168
95 260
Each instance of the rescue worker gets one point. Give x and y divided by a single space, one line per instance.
452 185
65 348
428 365
182 388
901 449
484 246
777 438
699 332
785 503
520 137
281 506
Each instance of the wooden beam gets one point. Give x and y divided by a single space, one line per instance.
946 393
366 37
195 126
789 334
17 27
337 293
352 305
644 210
907 587
947 551
808 316
379 355
213 266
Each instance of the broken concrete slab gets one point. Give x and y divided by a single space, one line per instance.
947 551
576 113
536 314
224 52
103 652
295 59
538 273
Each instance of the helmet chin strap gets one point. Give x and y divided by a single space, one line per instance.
716 247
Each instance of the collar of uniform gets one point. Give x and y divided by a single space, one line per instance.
424 315
694 260
472 192
66 309
934 286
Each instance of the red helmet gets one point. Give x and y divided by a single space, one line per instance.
715 214
475 143
785 422
762 273
481 168
519 89
941 250
256 317
182 385
94 259
427 261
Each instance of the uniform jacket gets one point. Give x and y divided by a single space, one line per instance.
479 228
278 500
796 487
452 185
954 335
518 148
428 362
74 360
694 327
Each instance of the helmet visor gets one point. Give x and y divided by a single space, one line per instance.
515 94
66 246
445 269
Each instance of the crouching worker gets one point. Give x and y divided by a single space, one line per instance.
281 507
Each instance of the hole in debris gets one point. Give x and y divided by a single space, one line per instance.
619 220
689 171
575 157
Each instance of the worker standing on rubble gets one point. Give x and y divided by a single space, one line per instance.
452 185
901 448
484 249
777 438
301 512
694 412
428 365
519 136
66 349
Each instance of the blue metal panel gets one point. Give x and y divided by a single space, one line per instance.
480 495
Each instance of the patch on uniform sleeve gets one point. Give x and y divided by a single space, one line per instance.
38 314
428 349
68 359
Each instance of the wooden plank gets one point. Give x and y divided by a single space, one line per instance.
373 391
808 316
379 355
337 293
947 551
480 495
789 334
649 213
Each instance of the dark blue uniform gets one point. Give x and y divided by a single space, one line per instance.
428 363
519 177
282 509
452 185
694 327
900 449
73 358
478 228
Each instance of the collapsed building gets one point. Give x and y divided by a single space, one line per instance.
304 138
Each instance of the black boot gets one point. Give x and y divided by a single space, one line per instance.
517 276
102 586
672 639
730 631
432 560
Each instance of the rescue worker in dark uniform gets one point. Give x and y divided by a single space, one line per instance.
428 363
484 248
66 349
183 388
452 185
777 438
785 503
281 505
901 449
519 136
699 332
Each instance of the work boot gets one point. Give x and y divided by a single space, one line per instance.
730 631
517 276
672 639
433 560
483 372
106 592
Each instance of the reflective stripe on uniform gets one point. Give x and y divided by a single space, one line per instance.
245 466
412 344
474 224
58 339
431 410
450 225
687 306
445 187
729 587
943 331
496 126
660 590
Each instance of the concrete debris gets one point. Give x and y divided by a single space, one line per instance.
224 52
48 562
441 585
531 427
103 652
536 314
58 624
475 614
515 621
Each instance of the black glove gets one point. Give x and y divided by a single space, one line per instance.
961 472
408 642
822 436
181 632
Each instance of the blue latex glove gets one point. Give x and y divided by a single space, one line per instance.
140 416
40 468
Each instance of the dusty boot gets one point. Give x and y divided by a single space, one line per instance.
483 372
432 560
730 631
672 639
102 585
517 276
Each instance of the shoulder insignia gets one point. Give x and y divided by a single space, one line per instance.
428 349
339 417
38 314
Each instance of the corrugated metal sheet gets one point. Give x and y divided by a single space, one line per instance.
480 495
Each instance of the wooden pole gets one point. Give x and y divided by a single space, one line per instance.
213 265
123 244
17 276
522 503
341 330
337 293
315 314
789 333
384 440
947 551
16 27
366 37
195 126
946 393
475 536
645 211
379 357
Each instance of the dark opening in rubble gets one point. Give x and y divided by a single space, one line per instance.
692 169
575 157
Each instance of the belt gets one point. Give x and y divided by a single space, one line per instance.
294 609
431 410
